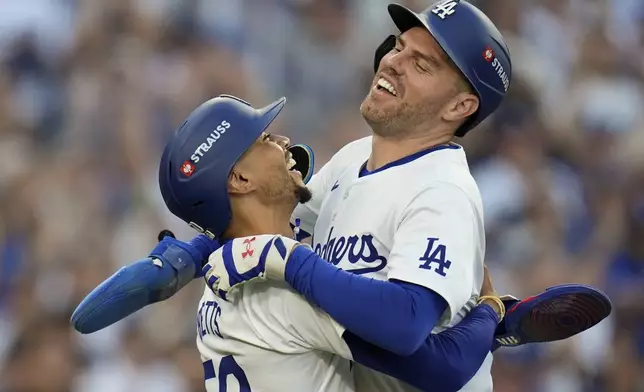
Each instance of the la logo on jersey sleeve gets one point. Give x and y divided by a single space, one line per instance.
436 256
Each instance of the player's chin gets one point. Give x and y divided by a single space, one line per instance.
296 176
303 193
376 107
377 114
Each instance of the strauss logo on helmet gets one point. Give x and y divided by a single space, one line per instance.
210 140
490 57
187 168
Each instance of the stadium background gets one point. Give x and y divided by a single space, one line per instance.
89 89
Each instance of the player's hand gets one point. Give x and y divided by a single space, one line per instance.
245 259
489 295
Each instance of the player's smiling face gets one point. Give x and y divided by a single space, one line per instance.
416 87
266 169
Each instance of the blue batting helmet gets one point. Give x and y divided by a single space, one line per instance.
472 43
198 159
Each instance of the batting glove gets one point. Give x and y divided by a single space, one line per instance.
245 259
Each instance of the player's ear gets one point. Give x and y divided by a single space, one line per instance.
463 104
239 183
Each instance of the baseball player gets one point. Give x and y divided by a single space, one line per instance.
271 338
399 207
396 218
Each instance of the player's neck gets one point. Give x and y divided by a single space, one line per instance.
385 150
257 219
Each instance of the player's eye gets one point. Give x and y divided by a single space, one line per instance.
399 46
421 67
266 137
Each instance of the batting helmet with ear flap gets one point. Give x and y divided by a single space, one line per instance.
471 41
198 158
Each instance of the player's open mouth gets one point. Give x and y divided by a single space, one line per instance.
385 86
290 163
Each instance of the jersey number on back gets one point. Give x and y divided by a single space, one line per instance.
436 255
227 367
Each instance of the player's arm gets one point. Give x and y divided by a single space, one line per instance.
170 266
429 279
445 361
431 275
393 315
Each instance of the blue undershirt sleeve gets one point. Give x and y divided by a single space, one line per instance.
444 362
393 315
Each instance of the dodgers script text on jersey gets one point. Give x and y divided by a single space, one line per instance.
417 220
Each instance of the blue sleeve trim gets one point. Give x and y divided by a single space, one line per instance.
393 315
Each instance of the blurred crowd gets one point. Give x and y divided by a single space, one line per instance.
90 89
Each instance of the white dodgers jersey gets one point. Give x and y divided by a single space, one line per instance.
269 339
418 220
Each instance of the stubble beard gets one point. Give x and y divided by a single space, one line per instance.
398 121
283 189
